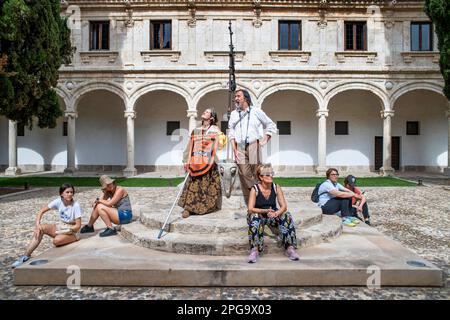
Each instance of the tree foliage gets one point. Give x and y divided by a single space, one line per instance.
34 42
439 13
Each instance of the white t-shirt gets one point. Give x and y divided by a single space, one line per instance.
66 214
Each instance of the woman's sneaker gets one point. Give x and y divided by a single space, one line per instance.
20 260
348 222
354 220
253 257
108 232
292 254
87 229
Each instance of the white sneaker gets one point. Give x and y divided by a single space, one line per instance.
20 260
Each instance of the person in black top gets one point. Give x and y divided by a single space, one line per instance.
262 210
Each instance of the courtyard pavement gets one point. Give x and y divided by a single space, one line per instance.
417 217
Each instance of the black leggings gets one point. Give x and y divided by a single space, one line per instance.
365 211
335 205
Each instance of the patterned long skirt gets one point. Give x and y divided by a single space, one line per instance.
202 194
284 223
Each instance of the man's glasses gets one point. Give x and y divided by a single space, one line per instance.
334 174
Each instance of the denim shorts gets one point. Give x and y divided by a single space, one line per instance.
125 216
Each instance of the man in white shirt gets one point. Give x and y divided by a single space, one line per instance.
245 131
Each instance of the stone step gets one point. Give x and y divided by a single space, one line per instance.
230 243
224 221
361 256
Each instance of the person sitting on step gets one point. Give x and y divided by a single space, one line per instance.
262 210
114 207
334 198
358 205
63 233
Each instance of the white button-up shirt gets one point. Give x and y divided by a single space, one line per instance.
243 131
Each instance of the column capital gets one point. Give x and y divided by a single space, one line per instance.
321 113
71 114
386 113
129 114
192 113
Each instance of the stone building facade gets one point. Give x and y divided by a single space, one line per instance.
351 84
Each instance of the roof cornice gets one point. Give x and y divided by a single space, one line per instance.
238 4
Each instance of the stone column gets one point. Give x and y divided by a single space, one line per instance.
192 115
71 116
12 169
130 170
447 170
386 169
322 142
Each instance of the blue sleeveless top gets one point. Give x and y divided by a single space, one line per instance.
263 203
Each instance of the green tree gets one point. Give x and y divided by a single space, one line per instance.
439 13
34 42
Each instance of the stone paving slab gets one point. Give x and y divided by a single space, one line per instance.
343 262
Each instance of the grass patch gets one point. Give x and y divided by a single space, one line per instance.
87 182
171 182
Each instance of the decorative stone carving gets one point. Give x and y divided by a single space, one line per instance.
257 22
322 113
388 24
192 113
129 114
174 55
211 55
386 113
129 85
192 21
257 84
341 56
409 56
71 114
70 85
192 85
129 22
388 85
228 171
322 23
323 84
88 57
302 55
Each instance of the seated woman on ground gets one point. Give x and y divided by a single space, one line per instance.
114 207
334 198
64 233
262 210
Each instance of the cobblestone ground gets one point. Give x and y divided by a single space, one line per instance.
417 217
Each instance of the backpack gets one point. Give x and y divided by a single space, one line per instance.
315 194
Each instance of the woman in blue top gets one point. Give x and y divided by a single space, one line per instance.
262 210
64 233
334 198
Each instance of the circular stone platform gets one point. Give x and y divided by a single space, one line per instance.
224 232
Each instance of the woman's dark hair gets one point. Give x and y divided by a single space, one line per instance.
213 120
329 171
65 186
246 96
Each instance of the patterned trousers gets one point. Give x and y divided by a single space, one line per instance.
284 223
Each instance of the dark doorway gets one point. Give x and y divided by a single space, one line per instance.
395 153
